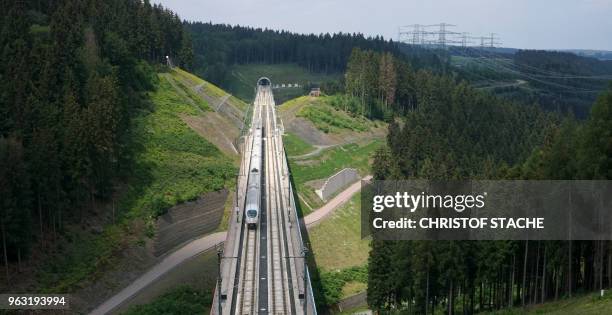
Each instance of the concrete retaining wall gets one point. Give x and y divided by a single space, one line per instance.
336 182
189 220
352 302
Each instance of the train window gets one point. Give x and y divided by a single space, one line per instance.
251 213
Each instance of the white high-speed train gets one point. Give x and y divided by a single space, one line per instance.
253 197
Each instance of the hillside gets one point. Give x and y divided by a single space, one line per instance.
587 304
220 125
557 81
242 79
322 139
322 121
341 264
219 47
182 149
183 159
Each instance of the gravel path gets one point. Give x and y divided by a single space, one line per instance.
176 258
318 215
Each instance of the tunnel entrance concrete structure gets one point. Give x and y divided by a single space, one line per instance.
263 81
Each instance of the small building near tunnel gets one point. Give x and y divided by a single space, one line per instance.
315 92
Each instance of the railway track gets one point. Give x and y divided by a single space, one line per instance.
248 298
247 287
279 297
267 280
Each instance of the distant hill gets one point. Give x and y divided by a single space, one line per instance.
599 54
592 53
559 81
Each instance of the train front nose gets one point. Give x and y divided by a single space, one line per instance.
251 220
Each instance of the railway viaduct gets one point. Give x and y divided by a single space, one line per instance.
264 270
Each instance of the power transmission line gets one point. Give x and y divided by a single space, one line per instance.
444 36
484 62
418 34
422 35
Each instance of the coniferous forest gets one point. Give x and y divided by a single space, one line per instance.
442 128
217 47
71 78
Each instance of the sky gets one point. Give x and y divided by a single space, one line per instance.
534 24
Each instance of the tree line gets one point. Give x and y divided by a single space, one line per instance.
441 128
218 46
72 76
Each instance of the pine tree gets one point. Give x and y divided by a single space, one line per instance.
15 201
102 119
14 70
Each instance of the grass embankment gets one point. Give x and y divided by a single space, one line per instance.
589 304
244 77
210 89
175 164
326 114
325 164
295 146
182 300
171 164
331 120
342 263
294 102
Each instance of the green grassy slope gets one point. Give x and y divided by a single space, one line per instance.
182 300
324 113
353 140
244 77
295 145
210 89
171 164
175 164
589 304
327 115
327 163
328 119
342 263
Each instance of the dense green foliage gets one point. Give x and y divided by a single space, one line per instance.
218 46
383 84
452 131
222 52
72 77
182 300
334 281
172 165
